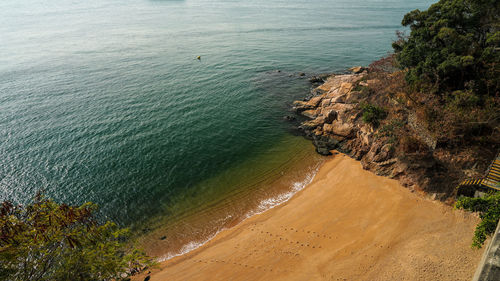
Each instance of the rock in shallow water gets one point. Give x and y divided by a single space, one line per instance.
311 113
357 69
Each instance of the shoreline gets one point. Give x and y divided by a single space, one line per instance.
278 200
170 238
327 229
269 205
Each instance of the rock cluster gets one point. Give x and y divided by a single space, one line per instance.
413 156
332 112
334 122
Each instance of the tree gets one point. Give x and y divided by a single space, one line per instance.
49 241
454 45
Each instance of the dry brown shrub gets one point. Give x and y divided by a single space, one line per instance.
411 144
385 79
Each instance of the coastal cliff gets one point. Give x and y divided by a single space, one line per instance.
367 115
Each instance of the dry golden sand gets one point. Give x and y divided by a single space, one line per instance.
348 224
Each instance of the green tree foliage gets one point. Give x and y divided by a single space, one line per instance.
373 114
49 241
453 45
489 212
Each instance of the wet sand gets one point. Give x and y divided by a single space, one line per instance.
348 224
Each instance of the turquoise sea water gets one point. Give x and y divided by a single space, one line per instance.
105 101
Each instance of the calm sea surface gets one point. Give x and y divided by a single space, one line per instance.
105 101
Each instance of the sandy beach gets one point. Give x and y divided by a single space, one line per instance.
348 224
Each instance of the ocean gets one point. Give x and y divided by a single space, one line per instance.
106 101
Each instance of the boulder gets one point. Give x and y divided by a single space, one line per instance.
384 154
357 69
300 106
311 113
332 81
311 124
299 103
338 128
341 109
363 83
339 99
330 116
324 144
318 131
325 102
365 135
314 102
323 150
345 88
352 96
333 93
316 79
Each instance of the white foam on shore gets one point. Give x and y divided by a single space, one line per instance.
264 205
193 245
273 202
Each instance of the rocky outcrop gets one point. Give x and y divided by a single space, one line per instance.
334 122
332 112
398 144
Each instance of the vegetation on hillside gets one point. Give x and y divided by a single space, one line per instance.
373 114
451 65
453 46
447 72
489 212
49 241
440 94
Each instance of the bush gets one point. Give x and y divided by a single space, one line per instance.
411 144
391 131
49 241
489 212
462 100
373 114
386 64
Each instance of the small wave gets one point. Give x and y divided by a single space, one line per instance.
264 205
193 245
272 202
